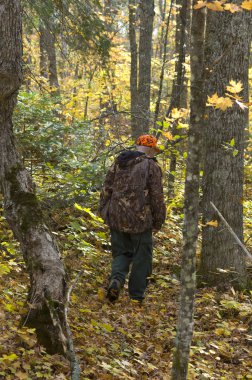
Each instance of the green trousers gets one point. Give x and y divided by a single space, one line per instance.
135 249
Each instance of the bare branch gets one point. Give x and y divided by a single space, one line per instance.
232 232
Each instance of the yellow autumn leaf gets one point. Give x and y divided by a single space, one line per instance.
222 332
224 103
232 8
101 294
212 99
175 114
182 125
200 4
247 5
249 104
168 135
234 87
215 6
179 112
213 223
219 102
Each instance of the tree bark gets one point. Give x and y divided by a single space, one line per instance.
178 82
190 232
145 52
140 75
42 52
227 57
49 41
47 276
163 49
162 4
133 68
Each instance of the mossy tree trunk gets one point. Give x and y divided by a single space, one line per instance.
190 231
228 38
47 276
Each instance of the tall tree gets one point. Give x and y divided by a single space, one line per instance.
163 53
141 64
146 8
133 66
47 276
190 231
42 52
51 52
178 82
227 57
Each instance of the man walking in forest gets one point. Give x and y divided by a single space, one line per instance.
132 204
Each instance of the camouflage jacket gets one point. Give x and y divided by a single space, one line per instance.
132 196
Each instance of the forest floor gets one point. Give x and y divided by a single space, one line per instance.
122 340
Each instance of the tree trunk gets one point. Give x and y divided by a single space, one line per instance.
133 69
178 82
140 74
52 60
227 58
190 232
42 52
163 49
162 44
47 276
145 52
27 65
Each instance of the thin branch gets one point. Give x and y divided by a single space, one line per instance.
232 232
74 362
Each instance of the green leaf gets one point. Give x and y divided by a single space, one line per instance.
9 358
232 142
4 269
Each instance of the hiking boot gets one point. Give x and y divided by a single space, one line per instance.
114 290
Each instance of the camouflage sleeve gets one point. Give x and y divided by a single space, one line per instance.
107 189
157 204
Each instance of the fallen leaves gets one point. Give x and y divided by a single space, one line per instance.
122 340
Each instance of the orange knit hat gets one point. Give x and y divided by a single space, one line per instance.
148 140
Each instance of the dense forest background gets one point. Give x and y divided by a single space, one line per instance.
95 75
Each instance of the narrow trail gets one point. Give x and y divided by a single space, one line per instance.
125 340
